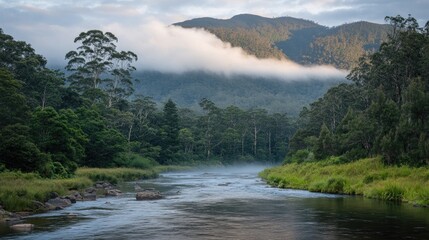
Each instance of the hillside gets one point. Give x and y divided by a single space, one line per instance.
300 40
246 92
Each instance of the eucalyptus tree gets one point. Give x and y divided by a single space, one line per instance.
97 64
120 85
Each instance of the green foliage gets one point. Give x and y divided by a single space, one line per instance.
97 65
18 152
13 106
114 175
133 160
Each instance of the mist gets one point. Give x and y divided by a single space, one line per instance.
173 49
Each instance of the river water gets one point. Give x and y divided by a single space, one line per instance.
228 203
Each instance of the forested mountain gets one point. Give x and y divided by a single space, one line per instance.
300 40
243 91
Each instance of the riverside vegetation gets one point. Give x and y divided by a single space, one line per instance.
368 177
18 190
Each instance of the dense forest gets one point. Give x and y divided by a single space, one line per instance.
300 40
384 111
52 123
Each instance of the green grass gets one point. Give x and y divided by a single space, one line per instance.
115 175
367 177
19 190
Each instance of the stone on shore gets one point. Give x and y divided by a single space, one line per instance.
59 203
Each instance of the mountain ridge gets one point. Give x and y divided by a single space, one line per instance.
299 40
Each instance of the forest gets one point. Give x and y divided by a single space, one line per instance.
384 111
51 123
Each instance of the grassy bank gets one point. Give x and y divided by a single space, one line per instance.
19 190
367 177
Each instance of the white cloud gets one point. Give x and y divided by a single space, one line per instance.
175 49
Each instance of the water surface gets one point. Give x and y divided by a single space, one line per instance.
228 203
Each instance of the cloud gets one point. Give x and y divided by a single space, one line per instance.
176 50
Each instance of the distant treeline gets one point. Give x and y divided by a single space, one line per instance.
246 92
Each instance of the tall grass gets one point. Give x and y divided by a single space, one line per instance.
19 190
115 175
367 177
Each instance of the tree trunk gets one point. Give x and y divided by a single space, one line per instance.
255 140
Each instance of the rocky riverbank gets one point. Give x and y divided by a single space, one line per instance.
57 202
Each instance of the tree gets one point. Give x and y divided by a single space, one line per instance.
209 122
98 65
13 105
104 144
120 85
18 152
169 133
59 135
93 58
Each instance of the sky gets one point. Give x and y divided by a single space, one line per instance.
144 27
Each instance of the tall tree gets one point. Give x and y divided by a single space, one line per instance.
169 133
98 65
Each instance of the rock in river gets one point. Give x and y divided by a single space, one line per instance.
148 195
23 227
59 203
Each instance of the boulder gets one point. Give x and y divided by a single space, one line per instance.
91 190
74 196
22 227
5 215
89 197
59 203
39 206
50 207
113 192
148 195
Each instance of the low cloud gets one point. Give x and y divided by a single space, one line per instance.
175 49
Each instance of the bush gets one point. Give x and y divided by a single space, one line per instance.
303 155
133 160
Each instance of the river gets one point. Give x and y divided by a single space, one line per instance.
228 203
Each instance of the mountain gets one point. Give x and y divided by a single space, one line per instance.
188 89
302 41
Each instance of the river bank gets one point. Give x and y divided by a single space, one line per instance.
366 177
22 192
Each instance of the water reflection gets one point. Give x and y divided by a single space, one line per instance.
230 204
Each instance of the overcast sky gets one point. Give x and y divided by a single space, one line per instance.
142 26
